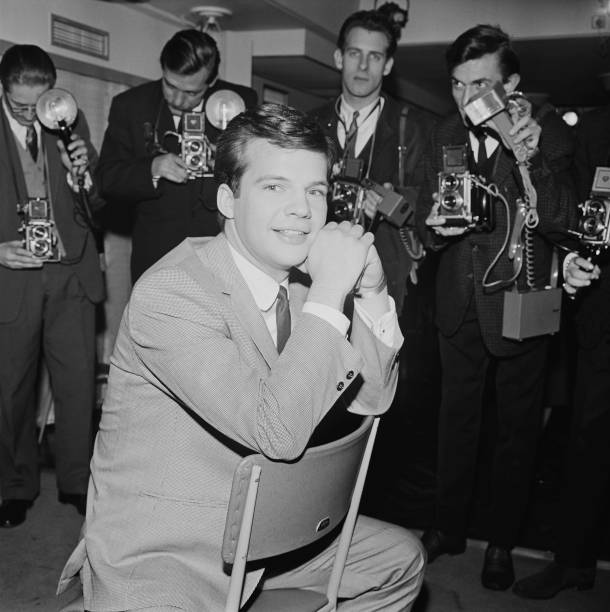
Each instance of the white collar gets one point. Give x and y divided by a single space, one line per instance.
363 113
263 288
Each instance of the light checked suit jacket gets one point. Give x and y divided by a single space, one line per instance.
195 384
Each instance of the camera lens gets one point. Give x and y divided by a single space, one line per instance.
450 202
40 232
596 207
195 146
194 161
591 226
40 247
450 182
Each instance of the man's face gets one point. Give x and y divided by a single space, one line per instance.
363 64
21 101
183 92
474 75
280 206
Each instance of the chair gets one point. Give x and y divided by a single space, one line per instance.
278 507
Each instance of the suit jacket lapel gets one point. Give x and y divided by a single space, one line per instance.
231 283
13 161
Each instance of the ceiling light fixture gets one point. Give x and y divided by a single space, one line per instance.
207 18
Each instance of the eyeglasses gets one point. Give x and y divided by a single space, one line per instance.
18 108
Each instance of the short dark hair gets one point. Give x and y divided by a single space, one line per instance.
374 21
188 51
280 125
483 40
26 65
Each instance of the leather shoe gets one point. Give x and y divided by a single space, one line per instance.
78 500
13 511
552 579
437 543
498 573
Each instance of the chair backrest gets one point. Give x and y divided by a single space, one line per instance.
276 507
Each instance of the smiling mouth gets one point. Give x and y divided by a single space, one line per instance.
292 232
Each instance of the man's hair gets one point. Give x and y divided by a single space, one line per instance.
26 65
479 41
374 21
279 125
188 51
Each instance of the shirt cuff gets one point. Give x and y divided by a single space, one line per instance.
566 262
385 328
331 315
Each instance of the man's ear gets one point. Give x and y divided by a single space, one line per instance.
225 200
511 82
338 57
388 66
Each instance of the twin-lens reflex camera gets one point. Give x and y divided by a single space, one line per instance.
196 151
348 190
38 229
463 202
594 216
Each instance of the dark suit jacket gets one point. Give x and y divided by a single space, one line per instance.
593 149
164 216
464 259
76 238
384 168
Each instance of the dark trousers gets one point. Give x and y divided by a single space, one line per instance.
519 385
57 318
588 463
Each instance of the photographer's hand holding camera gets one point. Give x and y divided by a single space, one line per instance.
579 273
170 167
525 132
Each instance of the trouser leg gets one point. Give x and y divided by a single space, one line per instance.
69 349
384 569
519 392
464 362
19 356
588 463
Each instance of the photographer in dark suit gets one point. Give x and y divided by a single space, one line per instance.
366 124
140 163
469 315
582 509
46 306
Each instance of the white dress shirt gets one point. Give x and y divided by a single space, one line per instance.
366 121
264 290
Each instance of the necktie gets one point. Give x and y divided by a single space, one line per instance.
31 141
282 318
482 154
350 138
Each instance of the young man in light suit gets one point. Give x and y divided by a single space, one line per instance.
197 381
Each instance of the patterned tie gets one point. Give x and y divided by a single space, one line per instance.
350 138
282 318
31 142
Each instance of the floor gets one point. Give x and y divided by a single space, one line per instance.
32 556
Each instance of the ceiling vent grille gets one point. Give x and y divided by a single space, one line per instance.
79 37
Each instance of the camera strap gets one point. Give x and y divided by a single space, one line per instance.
408 236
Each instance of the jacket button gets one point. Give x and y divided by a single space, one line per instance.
340 386
350 375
